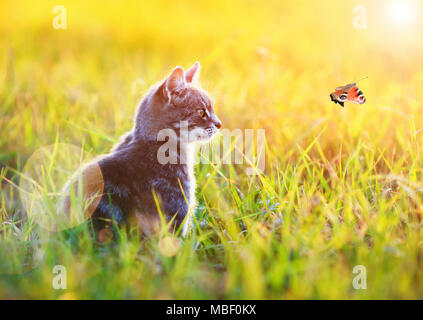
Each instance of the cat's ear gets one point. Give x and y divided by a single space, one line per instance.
192 74
176 80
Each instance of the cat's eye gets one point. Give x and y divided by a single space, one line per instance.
202 113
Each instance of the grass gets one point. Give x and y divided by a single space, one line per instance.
341 188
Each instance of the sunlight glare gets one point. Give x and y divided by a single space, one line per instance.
401 11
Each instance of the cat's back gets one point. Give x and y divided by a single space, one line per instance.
130 161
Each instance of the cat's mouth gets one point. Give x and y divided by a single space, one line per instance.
203 134
212 131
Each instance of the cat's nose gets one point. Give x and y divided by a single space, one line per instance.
218 123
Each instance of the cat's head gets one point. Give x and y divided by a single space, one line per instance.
178 100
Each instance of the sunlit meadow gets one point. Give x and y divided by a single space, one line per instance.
342 186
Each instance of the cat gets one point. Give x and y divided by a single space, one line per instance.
135 180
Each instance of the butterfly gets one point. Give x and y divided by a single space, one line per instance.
349 93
